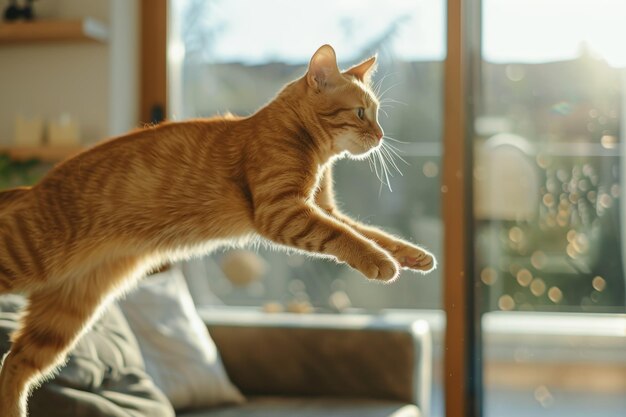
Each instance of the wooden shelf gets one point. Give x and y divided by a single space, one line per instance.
87 29
42 153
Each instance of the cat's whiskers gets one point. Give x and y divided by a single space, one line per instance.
395 150
382 95
394 140
389 156
385 155
381 171
384 177
386 169
396 155
377 86
389 100
387 103
372 155
373 163
382 161
370 162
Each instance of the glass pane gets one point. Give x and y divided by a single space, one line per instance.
548 203
235 56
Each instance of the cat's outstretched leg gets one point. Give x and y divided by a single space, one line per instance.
407 254
298 224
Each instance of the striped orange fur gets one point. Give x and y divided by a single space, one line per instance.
101 220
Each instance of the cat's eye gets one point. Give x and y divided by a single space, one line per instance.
360 112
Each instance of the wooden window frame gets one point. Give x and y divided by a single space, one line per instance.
153 66
463 337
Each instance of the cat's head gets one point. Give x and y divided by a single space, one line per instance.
343 103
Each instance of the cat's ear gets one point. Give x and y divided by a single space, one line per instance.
323 70
364 70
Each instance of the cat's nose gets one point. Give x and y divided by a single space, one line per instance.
377 130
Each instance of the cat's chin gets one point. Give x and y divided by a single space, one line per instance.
361 155
360 152
354 148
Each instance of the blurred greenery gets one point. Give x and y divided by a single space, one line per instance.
15 173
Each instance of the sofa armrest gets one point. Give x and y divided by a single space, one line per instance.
324 355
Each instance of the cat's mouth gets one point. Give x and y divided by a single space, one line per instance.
357 146
364 146
371 143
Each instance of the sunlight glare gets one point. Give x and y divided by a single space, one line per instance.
534 31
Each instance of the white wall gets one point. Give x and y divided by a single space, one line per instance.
94 82
123 66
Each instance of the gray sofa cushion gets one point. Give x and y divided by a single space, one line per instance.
311 407
104 375
178 351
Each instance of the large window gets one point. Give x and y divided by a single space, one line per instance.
550 221
548 203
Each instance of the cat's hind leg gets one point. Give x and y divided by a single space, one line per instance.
51 325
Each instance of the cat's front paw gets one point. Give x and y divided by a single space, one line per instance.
413 257
376 264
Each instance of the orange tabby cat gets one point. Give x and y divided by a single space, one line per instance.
102 219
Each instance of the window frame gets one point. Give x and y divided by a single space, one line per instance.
463 384
153 60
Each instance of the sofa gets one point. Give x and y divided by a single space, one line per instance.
323 364
285 364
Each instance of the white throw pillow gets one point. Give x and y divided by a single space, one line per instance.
178 351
